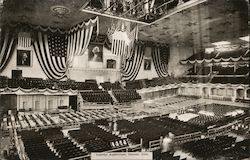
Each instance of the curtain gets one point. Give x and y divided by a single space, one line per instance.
50 51
55 49
7 46
160 60
130 67
78 39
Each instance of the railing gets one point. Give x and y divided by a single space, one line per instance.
187 137
154 144
196 135
177 140
221 130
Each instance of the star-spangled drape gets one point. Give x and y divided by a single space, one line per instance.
57 45
51 59
55 49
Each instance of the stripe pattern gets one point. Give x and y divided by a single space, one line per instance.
24 40
53 65
118 47
7 46
56 50
78 40
160 61
130 67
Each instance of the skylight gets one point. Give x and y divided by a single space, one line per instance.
246 38
220 43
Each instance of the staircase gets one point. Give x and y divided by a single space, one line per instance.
112 96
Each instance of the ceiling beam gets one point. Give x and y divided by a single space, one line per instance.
181 7
140 3
115 17
86 3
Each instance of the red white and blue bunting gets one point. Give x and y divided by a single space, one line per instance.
7 46
160 61
56 49
130 67
34 91
53 65
216 60
78 39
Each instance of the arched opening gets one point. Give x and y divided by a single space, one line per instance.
239 93
248 93
214 91
205 92
221 91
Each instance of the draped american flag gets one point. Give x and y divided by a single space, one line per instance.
57 45
51 51
55 49
160 60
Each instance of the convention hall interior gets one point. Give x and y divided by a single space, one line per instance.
164 77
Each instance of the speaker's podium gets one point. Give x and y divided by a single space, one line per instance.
16 74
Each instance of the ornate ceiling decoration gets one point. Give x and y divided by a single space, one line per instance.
60 11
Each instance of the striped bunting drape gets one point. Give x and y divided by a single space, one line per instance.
118 47
7 46
55 50
79 38
131 67
161 65
24 40
54 66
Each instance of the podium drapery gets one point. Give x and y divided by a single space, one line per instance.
55 50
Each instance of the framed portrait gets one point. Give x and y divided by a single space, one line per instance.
23 58
147 64
111 63
95 53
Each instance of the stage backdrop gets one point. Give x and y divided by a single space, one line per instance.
150 72
94 63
